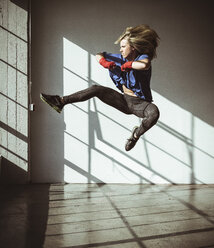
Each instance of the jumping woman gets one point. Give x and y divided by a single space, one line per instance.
131 73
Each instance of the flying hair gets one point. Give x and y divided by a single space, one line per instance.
144 39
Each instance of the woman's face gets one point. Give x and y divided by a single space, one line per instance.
127 51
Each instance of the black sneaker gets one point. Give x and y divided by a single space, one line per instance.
132 140
54 101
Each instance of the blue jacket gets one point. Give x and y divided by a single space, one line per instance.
136 80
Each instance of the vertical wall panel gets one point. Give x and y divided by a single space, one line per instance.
12 85
13 93
4 44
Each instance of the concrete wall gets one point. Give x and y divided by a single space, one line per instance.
86 142
13 93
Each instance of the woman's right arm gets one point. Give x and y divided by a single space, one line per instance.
99 56
105 63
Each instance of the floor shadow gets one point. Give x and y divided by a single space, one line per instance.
24 213
190 205
37 215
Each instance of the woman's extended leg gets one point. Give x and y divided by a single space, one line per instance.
105 94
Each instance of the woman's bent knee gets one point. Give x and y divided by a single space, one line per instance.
95 87
98 89
155 113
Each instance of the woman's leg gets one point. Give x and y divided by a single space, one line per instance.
105 94
150 117
150 114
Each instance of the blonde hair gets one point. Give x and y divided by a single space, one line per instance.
144 39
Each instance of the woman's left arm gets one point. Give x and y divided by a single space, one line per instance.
143 64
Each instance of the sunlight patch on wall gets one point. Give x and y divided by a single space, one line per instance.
99 74
75 78
75 59
173 151
203 151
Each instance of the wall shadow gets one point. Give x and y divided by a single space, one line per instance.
24 4
10 173
54 22
95 129
175 77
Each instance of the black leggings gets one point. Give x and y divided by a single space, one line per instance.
123 102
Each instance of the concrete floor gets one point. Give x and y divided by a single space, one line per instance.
113 216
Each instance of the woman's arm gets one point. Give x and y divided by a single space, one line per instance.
105 63
143 64
99 56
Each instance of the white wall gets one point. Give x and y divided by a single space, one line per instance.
86 142
13 93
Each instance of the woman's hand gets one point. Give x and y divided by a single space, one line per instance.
127 66
136 65
107 64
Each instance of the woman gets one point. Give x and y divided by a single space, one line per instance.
131 73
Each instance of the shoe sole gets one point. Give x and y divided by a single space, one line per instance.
52 106
133 130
